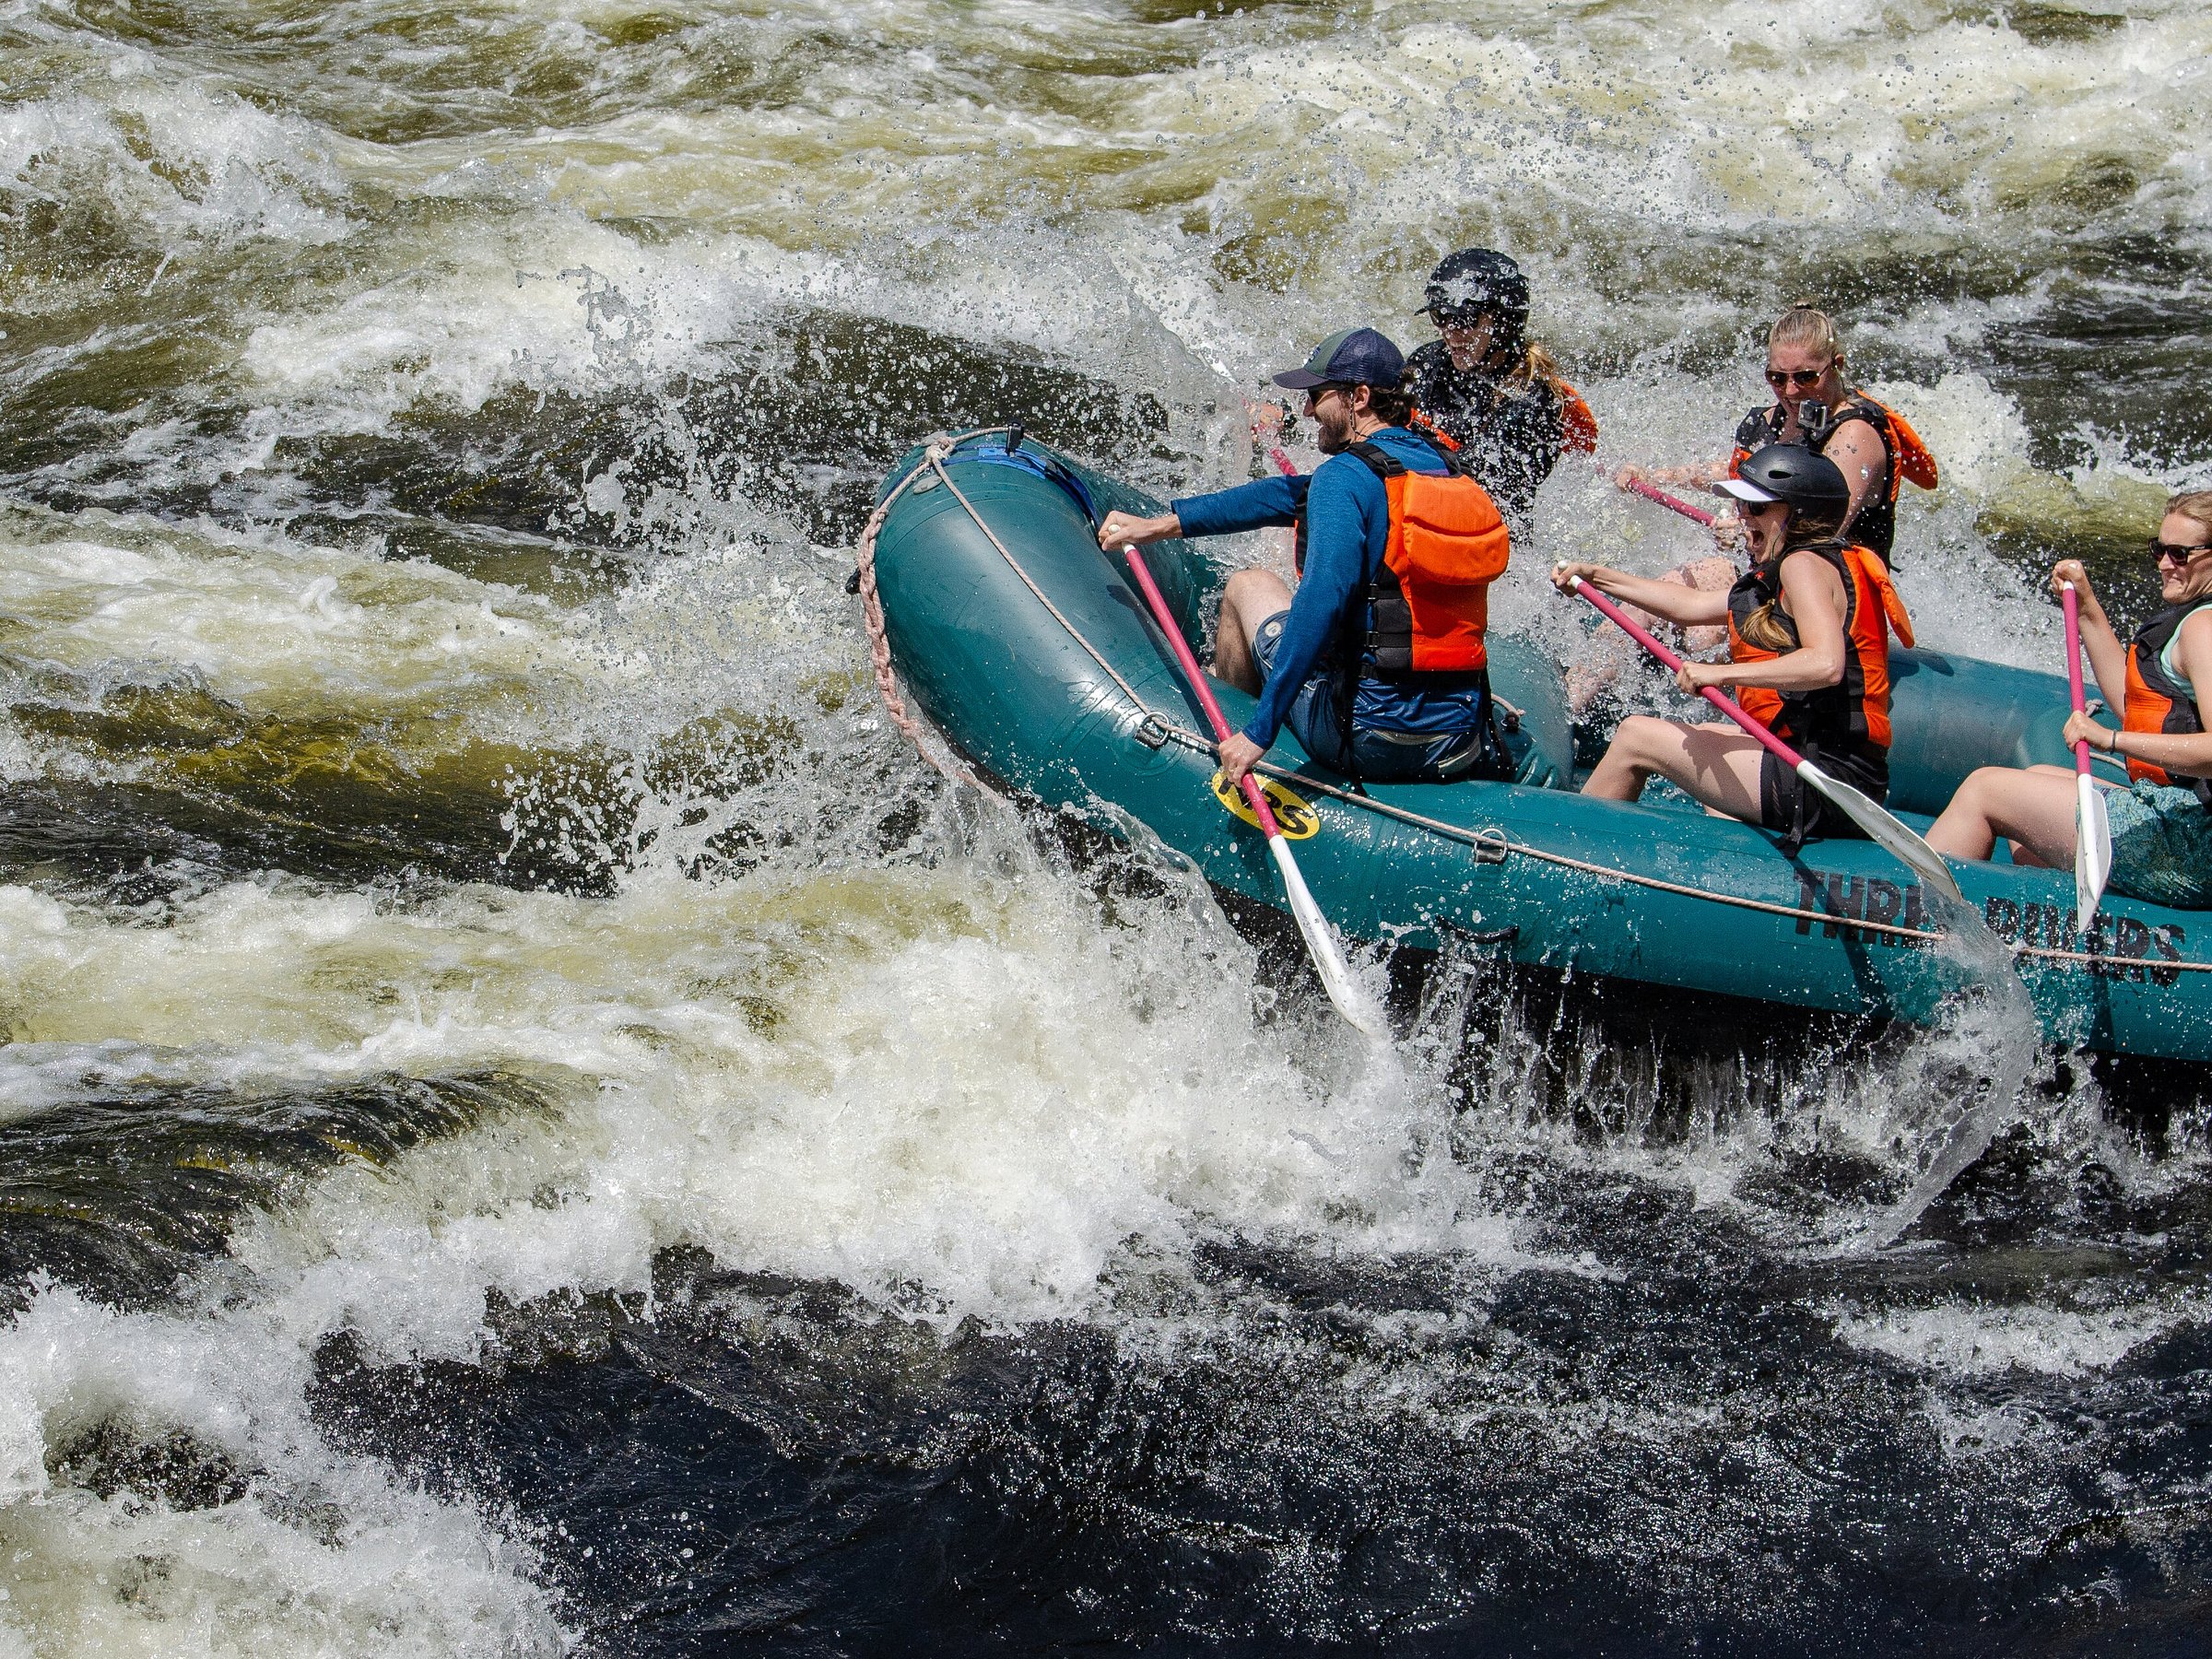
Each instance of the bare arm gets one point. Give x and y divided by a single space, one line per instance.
1815 593
1696 473
1856 449
1688 606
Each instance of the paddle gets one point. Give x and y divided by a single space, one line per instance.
2092 825
1652 493
1878 822
1328 962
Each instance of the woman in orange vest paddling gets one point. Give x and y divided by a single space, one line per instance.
1808 644
2161 824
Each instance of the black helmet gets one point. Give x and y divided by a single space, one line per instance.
1476 280
1789 472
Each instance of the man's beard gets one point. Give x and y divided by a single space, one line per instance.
1331 433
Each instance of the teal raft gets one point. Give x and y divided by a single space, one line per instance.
1033 655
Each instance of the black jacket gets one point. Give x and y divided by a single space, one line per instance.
1509 440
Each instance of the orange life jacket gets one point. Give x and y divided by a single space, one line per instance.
1854 714
1578 425
1428 602
1907 459
2159 703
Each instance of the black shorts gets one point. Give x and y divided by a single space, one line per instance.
1784 795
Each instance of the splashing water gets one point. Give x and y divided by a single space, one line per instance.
533 1123
1986 1042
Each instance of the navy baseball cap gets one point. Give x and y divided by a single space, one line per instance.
1351 356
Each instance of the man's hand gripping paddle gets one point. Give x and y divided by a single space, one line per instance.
1877 822
1328 962
2092 825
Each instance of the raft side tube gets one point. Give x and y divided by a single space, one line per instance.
1659 895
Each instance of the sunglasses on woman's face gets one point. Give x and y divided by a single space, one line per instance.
2178 552
1804 378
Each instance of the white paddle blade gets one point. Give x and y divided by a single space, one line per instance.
2092 854
1335 976
1883 828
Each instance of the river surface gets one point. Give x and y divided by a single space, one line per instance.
531 1122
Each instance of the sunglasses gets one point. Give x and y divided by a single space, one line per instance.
1779 378
2180 554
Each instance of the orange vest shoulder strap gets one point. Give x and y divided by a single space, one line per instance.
1913 460
1578 423
1430 430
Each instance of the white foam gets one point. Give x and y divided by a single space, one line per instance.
1971 1339
175 160
970 1088
319 1553
310 634
945 1079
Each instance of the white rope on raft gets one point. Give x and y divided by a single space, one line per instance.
1490 840
870 606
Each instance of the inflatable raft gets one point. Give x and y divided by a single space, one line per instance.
1035 657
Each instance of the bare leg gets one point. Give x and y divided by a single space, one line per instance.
1718 765
2033 809
1250 598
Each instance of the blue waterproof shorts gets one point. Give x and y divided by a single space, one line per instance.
1382 756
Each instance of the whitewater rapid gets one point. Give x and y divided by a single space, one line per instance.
462 907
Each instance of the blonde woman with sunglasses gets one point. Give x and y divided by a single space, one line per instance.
1815 406
2161 681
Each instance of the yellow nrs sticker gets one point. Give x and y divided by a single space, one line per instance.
1293 816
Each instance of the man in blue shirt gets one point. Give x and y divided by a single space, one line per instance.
1295 652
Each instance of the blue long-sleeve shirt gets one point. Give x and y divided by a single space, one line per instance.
1347 532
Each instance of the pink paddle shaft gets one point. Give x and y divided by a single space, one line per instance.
1651 493
2072 601
1192 672
1711 694
1283 463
